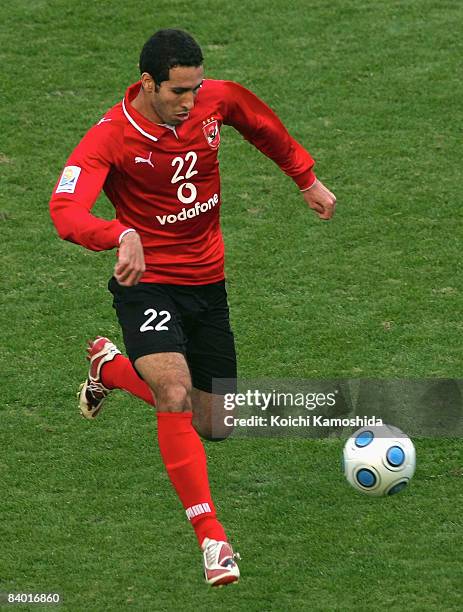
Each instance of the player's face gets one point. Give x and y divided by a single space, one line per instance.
173 100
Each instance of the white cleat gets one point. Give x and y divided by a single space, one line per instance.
219 563
92 392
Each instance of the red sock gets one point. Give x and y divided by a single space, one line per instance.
185 459
120 374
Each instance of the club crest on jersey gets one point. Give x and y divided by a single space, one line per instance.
68 180
211 132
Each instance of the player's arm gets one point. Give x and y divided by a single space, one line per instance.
75 194
261 126
78 188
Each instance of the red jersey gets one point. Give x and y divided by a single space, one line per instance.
164 182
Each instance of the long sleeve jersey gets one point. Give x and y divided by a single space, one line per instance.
164 182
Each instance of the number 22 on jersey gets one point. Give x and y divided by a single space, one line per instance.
180 162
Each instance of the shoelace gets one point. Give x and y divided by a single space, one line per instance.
96 389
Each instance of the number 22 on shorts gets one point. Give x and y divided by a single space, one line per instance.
164 316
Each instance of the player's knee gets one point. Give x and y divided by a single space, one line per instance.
208 434
214 430
173 397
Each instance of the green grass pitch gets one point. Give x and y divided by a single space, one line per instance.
374 90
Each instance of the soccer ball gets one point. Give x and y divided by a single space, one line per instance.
379 460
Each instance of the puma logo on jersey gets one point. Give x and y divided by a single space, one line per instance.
142 160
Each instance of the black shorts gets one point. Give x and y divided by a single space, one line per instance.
188 319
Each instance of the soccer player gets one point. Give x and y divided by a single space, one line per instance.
155 156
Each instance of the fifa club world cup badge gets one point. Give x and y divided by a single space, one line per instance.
211 132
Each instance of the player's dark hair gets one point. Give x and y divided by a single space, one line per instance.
167 49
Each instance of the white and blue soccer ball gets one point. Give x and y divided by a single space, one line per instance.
379 460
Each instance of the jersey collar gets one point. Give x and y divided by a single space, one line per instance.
150 130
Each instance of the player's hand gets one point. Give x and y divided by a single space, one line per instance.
320 199
130 265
